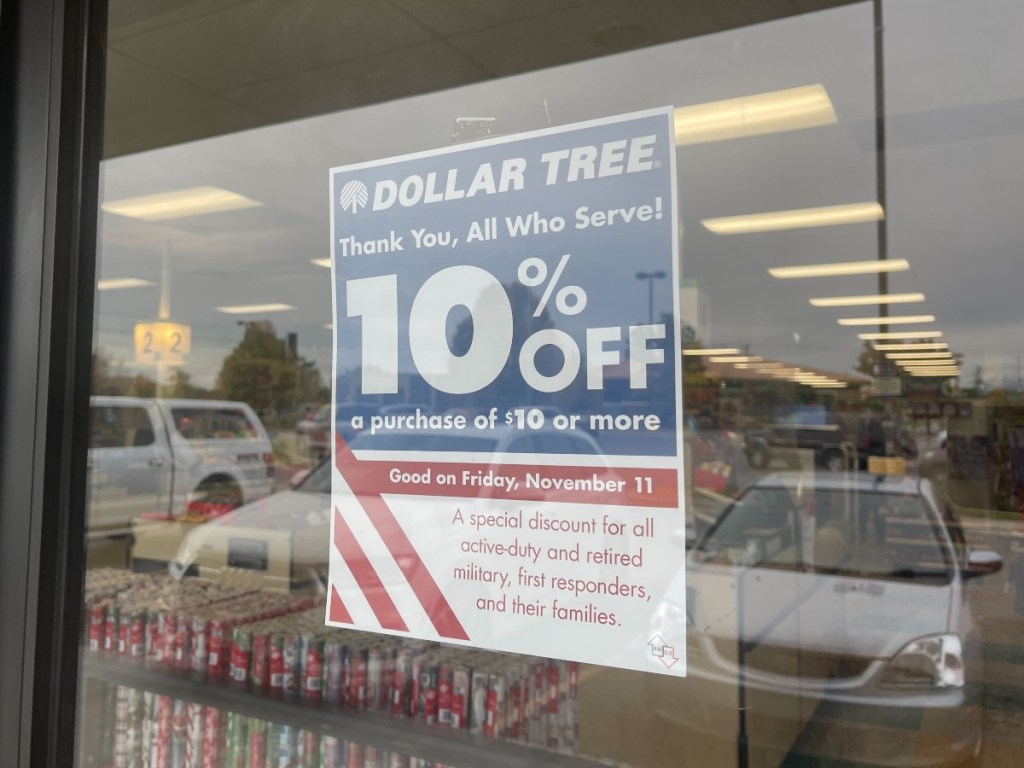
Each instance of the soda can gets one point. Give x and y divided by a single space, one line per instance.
574 679
427 708
194 736
257 743
179 732
460 697
153 650
148 705
374 678
553 687
310 750
136 646
122 631
387 681
402 685
334 672
357 678
287 747
241 646
478 707
330 752
313 670
168 629
398 760
290 656
213 737
514 717
275 665
218 646
182 642
371 757
164 732
199 653
354 757
444 694
111 628
237 741
97 628
121 728
259 670
494 723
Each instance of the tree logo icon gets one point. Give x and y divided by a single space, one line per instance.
354 196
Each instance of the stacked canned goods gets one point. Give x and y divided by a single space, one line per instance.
152 731
494 694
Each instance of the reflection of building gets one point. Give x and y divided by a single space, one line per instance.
694 312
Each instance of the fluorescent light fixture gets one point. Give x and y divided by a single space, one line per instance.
895 320
254 309
801 218
936 374
856 301
842 268
807 106
734 359
180 203
714 351
898 356
322 262
900 335
911 347
119 283
834 385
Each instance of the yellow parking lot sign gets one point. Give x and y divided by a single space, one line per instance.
162 342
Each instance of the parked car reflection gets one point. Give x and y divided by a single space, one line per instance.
845 592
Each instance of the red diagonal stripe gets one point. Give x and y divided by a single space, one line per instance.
339 612
365 575
408 560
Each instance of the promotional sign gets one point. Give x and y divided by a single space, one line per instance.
508 396
162 341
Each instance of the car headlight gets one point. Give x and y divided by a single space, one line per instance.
928 662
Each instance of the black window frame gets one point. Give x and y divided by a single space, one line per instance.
52 61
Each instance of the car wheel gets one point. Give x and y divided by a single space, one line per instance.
757 458
833 461
219 492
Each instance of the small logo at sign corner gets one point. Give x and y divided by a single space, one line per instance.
663 651
354 196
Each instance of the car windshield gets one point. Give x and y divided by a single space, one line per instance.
318 480
870 534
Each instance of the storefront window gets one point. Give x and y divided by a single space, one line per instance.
557 384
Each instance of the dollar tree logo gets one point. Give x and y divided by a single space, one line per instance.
354 196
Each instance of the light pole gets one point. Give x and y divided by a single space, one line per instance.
650 277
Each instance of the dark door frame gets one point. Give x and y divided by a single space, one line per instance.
51 113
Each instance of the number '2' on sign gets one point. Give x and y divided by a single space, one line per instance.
162 341
375 300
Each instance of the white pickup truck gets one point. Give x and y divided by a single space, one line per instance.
159 456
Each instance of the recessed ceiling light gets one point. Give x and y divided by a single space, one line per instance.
918 355
254 309
119 283
911 347
734 359
899 335
790 109
194 201
854 301
825 216
322 262
894 320
842 268
710 351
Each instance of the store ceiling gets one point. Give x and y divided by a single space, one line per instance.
179 71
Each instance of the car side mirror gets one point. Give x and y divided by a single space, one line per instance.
982 562
295 480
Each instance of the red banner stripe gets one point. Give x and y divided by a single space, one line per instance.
339 613
366 576
438 610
